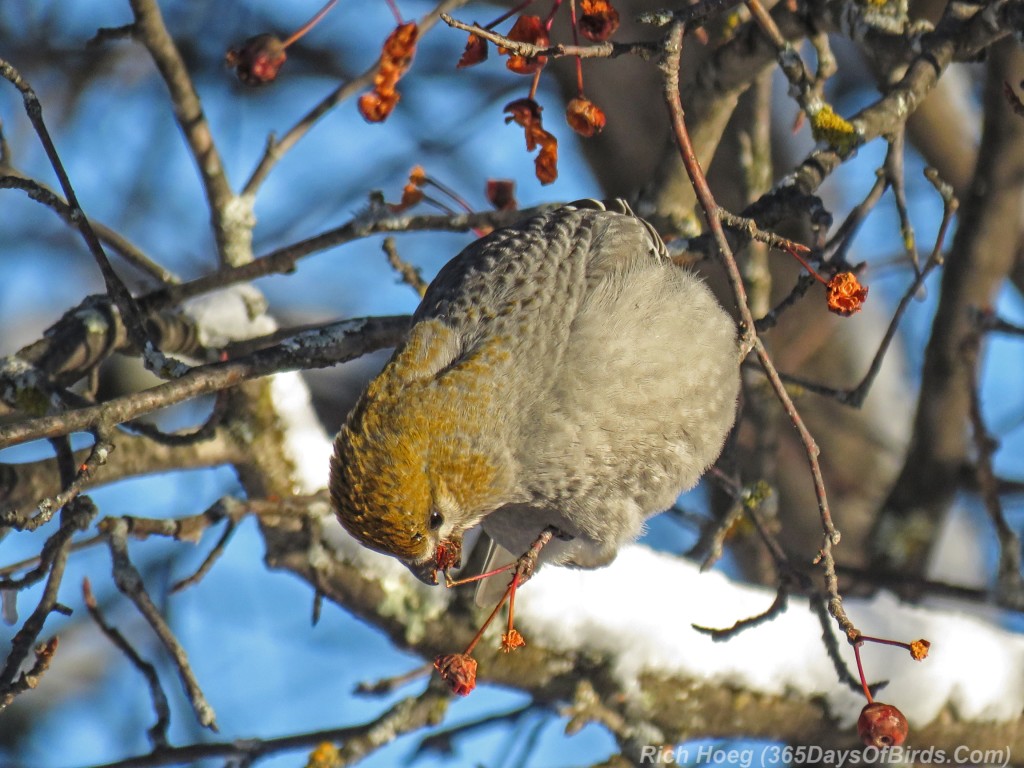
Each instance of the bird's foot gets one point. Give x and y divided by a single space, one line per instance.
526 565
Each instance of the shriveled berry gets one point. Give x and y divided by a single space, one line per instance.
257 60
458 670
882 725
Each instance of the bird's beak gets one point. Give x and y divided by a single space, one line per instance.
425 572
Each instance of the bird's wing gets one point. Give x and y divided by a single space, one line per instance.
540 268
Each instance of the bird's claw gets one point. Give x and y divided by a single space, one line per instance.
526 565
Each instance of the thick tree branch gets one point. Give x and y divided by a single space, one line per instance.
312 349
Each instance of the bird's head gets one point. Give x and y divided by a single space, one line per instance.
410 475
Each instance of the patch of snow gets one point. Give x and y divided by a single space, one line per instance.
639 612
235 313
305 440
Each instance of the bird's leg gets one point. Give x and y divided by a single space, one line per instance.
527 562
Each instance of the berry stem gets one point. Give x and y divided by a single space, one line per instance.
395 11
450 192
512 601
550 18
534 84
309 24
796 255
576 42
487 623
860 671
449 582
884 641
508 14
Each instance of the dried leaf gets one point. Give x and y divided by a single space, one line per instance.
527 29
501 193
475 52
546 164
395 59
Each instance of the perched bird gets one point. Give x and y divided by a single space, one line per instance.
561 373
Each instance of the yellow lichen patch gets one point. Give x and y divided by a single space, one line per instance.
832 128
326 755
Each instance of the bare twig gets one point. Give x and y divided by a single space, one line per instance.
209 560
77 546
605 50
392 684
1009 587
158 732
836 248
30 678
127 250
894 172
855 396
410 714
115 287
777 607
75 516
670 73
204 431
129 583
231 227
102 446
410 275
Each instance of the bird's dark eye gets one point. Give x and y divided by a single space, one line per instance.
435 520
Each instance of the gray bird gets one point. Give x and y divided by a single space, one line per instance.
560 374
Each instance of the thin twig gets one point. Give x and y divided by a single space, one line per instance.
605 50
1009 586
129 582
124 248
101 448
410 275
774 610
205 431
855 396
208 561
410 714
391 684
75 516
838 246
232 230
77 546
158 732
894 171
115 287
284 260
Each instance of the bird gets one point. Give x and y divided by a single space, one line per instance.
560 375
